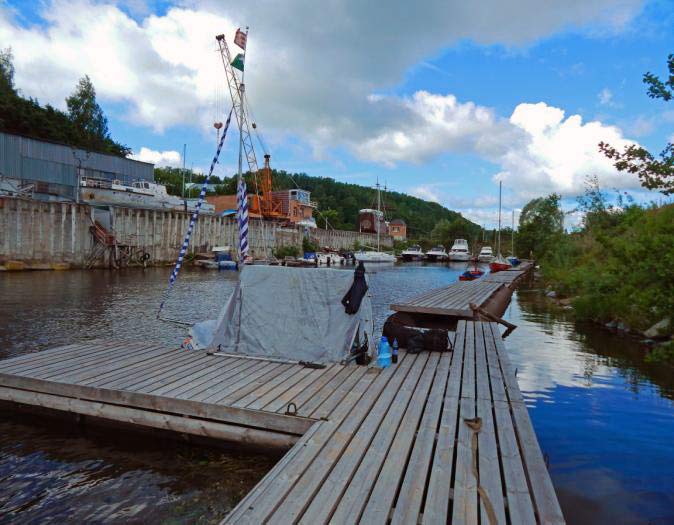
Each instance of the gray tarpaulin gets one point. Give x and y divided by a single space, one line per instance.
288 313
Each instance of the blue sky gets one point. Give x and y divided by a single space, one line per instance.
440 100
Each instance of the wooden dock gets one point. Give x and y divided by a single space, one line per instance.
455 299
439 437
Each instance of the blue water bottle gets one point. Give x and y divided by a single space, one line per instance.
394 356
384 353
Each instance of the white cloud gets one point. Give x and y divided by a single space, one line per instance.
642 126
605 97
317 80
158 158
426 192
558 153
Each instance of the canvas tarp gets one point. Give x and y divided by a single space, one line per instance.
288 313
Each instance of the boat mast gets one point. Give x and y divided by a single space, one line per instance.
378 223
499 218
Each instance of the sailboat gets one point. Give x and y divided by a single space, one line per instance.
376 256
513 258
499 264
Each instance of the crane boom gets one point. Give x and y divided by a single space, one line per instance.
237 92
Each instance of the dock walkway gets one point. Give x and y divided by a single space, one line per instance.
454 300
439 437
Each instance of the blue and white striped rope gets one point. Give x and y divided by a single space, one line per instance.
242 213
195 215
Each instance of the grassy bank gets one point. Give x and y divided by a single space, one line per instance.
618 268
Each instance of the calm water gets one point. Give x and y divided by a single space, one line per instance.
604 419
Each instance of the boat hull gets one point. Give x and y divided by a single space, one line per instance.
498 267
459 257
375 257
410 257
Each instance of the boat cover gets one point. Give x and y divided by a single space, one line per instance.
293 314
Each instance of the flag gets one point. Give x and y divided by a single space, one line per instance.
242 214
240 39
238 62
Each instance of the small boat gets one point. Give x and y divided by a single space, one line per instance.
459 251
514 261
375 257
413 253
486 255
471 274
499 264
329 259
437 253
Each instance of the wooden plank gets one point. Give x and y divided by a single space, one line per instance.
123 372
378 506
303 397
379 438
317 399
495 376
274 475
481 370
520 504
123 359
437 509
126 382
270 385
408 505
234 384
150 419
325 409
55 361
281 402
214 372
12 363
468 380
544 496
99 366
508 375
464 508
271 421
488 467
215 396
353 408
280 389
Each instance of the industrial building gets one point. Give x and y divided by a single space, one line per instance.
51 171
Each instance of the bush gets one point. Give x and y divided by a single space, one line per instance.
286 251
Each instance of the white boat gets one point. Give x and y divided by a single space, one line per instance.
375 256
413 253
142 194
486 254
437 253
459 251
329 259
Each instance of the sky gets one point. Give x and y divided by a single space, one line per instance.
440 99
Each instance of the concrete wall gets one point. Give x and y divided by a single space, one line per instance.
42 234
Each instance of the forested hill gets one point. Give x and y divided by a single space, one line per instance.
340 202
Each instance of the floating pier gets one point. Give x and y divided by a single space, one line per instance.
438 437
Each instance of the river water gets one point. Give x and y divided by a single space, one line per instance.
604 419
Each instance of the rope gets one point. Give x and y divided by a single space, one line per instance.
193 220
475 424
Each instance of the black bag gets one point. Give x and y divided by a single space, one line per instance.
415 343
436 340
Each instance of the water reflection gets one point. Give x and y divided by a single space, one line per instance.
603 417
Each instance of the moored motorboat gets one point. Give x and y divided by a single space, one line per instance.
437 253
374 256
412 253
486 254
459 251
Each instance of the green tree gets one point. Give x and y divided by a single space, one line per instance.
654 174
87 116
7 72
541 222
